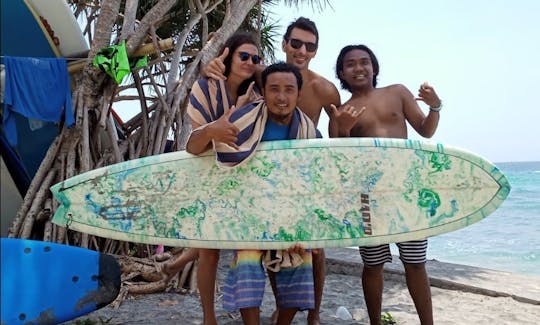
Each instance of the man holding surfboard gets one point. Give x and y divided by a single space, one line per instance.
275 118
384 113
300 44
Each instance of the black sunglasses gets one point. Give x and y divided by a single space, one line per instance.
244 56
296 44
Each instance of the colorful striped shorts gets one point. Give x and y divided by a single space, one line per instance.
246 280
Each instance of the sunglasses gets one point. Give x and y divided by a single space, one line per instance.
244 56
296 44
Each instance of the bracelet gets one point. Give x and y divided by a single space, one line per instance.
436 109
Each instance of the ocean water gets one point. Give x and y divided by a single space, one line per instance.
509 238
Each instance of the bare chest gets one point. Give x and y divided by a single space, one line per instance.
310 103
383 116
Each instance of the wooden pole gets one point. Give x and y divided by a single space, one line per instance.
145 49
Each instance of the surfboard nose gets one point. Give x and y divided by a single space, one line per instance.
51 283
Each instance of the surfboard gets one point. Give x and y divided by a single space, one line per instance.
59 17
317 192
48 283
40 28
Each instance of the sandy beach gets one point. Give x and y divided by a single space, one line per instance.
461 295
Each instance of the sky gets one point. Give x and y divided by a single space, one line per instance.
482 57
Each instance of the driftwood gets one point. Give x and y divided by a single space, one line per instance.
144 276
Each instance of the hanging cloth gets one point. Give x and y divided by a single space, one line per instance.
113 60
37 88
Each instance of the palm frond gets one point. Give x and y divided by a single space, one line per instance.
318 5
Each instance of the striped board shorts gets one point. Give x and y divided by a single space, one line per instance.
410 252
246 280
295 285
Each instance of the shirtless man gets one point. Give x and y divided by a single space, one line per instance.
300 44
385 113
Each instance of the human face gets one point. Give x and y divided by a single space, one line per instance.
299 57
243 70
357 69
281 95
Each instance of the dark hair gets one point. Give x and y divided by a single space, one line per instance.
233 43
304 24
341 57
282 67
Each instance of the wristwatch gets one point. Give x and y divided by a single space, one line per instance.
436 109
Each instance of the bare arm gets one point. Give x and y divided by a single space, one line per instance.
331 100
199 140
424 125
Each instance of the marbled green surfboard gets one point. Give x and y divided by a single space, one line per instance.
318 192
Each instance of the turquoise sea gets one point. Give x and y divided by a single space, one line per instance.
509 238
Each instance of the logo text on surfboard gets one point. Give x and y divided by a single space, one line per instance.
366 213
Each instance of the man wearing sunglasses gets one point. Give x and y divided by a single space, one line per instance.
300 44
